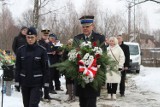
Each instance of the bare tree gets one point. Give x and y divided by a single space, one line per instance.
156 34
64 23
27 18
8 29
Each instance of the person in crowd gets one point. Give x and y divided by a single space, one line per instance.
44 38
88 95
44 42
32 72
125 49
69 81
114 76
107 41
54 57
20 39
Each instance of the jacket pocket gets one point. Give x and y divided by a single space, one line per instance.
37 62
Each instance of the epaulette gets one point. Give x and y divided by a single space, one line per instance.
80 34
99 33
42 47
21 47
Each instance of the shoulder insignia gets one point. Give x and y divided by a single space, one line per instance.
42 47
21 46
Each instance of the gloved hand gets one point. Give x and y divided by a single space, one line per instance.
46 85
119 69
17 88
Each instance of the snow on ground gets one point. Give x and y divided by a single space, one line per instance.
142 90
149 79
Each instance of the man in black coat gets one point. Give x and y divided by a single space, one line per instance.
20 39
125 49
44 41
32 71
88 95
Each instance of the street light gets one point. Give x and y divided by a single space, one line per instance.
129 17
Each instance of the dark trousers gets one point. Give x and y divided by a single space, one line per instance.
122 83
51 87
46 93
54 75
112 88
56 80
31 96
87 101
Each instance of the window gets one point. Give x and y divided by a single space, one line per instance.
133 49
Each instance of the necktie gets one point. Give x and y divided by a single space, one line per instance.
87 38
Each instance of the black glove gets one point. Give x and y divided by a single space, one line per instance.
17 88
119 69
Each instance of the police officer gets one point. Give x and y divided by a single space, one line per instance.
44 42
31 69
125 49
87 96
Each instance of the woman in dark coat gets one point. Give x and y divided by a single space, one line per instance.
20 39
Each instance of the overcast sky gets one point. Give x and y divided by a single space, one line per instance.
150 9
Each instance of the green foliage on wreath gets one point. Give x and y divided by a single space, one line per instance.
70 68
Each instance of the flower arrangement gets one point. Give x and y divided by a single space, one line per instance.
6 59
86 64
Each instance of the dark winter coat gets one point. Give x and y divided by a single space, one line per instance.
18 42
53 58
89 91
32 66
125 49
43 43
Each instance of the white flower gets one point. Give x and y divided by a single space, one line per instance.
72 55
87 43
86 56
87 79
97 50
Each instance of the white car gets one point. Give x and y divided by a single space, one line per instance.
135 56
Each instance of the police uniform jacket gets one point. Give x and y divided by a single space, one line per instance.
95 37
43 43
88 91
125 49
32 66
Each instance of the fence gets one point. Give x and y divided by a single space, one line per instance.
151 57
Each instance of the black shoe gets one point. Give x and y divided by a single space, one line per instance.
66 92
59 89
47 97
122 95
53 92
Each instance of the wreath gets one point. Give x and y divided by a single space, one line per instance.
86 64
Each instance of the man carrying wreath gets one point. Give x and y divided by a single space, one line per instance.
88 95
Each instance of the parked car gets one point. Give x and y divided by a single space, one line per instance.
135 56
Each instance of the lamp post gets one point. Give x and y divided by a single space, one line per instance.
129 17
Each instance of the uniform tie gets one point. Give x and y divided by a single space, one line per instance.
87 38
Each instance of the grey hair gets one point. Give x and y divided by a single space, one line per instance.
114 39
